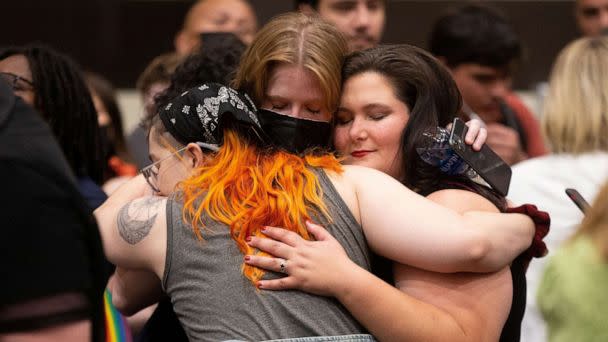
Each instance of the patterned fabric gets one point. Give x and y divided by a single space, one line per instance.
199 113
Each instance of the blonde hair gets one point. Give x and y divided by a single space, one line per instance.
595 224
298 39
575 116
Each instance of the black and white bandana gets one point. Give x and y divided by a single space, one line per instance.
199 113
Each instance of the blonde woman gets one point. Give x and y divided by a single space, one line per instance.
572 294
575 125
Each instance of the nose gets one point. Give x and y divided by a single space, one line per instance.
296 111
357 130
362 16
500 89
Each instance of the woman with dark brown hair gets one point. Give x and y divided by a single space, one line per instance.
391 96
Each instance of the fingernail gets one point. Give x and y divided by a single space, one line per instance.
248 239
247 257
264 228
260 285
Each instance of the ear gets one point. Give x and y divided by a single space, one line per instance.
194 155
306 9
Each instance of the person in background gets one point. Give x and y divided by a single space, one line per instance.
481 49
572 294
55 86
592 17
52 84
118 159
360 21
575 122
236 16
51 260
153 80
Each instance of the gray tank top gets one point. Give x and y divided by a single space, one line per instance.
215 302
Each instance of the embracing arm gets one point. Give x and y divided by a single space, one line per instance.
322 267
432 307
133 290
133 231
133 227
404 226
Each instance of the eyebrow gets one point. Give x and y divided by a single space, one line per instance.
367 107
375 105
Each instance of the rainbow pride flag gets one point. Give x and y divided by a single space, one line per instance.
117 329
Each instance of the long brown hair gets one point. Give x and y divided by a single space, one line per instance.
432 97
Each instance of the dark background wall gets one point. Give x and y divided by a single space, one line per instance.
117 38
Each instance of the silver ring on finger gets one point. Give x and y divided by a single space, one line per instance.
283 266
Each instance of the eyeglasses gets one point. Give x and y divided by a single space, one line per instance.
150 172
17 82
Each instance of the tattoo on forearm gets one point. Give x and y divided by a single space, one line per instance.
136 218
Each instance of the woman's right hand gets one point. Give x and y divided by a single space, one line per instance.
320 267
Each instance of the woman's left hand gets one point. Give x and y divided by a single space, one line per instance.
477 133
320 267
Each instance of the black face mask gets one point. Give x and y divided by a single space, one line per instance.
293 134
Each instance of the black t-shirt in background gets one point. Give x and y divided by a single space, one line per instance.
50 244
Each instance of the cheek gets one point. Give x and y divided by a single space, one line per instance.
26 96
341 139
169 178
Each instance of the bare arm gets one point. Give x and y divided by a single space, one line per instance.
432 306
472 306
322 267
133 227
479 303
404 226
134 235
133 290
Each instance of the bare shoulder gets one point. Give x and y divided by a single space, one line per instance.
346 189
462 200
357 171
136 218
362 177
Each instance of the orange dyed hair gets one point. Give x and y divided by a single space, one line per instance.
247 188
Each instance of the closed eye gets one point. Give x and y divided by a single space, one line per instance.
314 111
378 117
